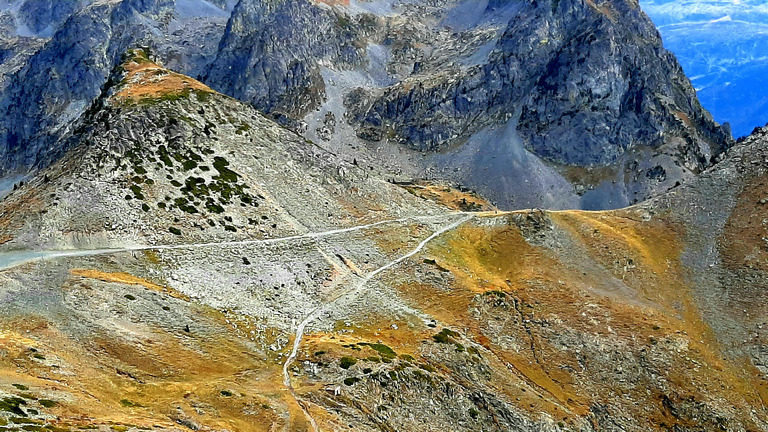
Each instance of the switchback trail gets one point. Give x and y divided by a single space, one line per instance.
357 288
15 259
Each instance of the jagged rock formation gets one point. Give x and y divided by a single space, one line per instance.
58 82
147 152
649 318
551 104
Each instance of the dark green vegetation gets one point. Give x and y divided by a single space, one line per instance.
22 411
195 193
13 405
447 336
347 362
386 352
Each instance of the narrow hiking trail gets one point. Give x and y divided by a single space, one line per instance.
357 289
14 259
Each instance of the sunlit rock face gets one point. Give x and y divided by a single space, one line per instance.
550 104
190 264
723 48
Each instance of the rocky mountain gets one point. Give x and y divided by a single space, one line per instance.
556 104
189 263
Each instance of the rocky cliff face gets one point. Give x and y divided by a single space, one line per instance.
55 84
191 264
554 103
572 84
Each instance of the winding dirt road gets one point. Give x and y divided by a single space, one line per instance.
15 259
356 289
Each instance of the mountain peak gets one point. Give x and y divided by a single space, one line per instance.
143 80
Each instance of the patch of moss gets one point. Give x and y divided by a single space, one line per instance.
165 156
21 387
385 351
351 381
196 186
422 376
170 96
136 189
174 230
347 362
13 405
445 336
22 420
130 297
225 173
427 367
47 403
202 96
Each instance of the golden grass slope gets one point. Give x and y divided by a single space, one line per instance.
145 80
578 316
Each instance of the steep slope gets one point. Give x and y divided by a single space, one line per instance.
555 104
163 159
161 149
44 90
190 264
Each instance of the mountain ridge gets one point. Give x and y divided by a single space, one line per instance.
415 317
364 66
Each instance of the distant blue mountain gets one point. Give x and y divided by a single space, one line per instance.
723 48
